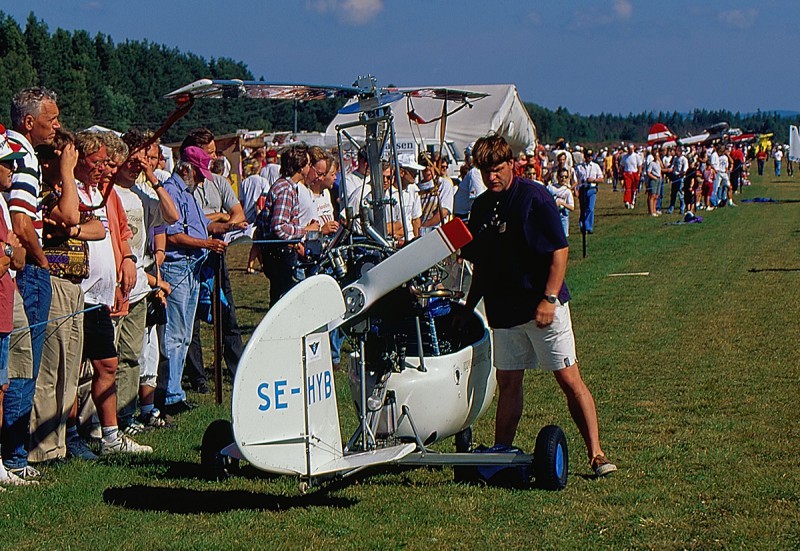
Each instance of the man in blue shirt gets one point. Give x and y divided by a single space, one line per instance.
187 242
519 253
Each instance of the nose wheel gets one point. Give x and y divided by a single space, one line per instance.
217 437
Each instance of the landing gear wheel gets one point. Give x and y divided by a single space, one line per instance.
464 440
551 459
218 435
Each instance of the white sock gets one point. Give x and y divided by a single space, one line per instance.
110 434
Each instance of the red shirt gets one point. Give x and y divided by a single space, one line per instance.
6 287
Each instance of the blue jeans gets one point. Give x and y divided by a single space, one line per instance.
337 338
33 283
777 168
4 339
660 194
587 196
181 308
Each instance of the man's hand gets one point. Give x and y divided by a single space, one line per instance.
215 245
312 226
165 287
12 240
127 276
69 159
545 313
330 227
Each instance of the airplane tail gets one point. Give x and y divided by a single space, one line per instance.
661 135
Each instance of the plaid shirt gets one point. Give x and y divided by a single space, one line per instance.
282 210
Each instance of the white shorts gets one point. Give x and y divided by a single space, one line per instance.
528 346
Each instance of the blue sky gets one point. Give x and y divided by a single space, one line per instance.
614 56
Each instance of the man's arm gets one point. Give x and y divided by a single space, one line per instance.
65 212
555 279
22 225
17 260
187 242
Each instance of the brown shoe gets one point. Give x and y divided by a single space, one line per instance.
602 466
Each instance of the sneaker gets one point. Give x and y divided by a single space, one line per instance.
627 205
79 449
156 420
731 203
9 479
123 444
134 427
602 466
710 208
26 473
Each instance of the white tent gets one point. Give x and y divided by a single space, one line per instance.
501 112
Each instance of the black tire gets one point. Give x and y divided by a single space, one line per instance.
464 440
217 436
551 459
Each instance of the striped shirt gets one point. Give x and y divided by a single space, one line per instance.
25 195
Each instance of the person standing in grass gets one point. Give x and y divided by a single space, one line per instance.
519 252
12 258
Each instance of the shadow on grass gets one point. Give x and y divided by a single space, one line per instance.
759 270
184 501
259 309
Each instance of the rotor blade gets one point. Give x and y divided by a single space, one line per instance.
442 93
206 88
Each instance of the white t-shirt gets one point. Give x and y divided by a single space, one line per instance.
306 205
324 206
143 211
714 160
563 193
272 172
250 190
101 284
778 155
470 187
631 162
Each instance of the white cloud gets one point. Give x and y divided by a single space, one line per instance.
741 19
355 12
623 9
534 18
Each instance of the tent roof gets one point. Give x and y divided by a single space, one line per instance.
502 112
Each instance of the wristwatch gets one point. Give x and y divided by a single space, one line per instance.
551 298
8 250
157 185
132 257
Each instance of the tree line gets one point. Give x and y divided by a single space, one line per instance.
122 85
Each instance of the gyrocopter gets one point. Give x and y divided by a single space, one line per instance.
414 379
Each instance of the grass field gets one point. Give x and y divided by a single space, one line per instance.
696 375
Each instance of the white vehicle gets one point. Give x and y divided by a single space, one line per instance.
416 378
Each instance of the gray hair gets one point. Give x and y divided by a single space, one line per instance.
29 102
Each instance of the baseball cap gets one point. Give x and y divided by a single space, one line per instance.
406 160
198 159
272 154
7 151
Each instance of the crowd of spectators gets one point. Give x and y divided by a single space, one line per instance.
106 259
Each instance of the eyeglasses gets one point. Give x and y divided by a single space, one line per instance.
98 162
